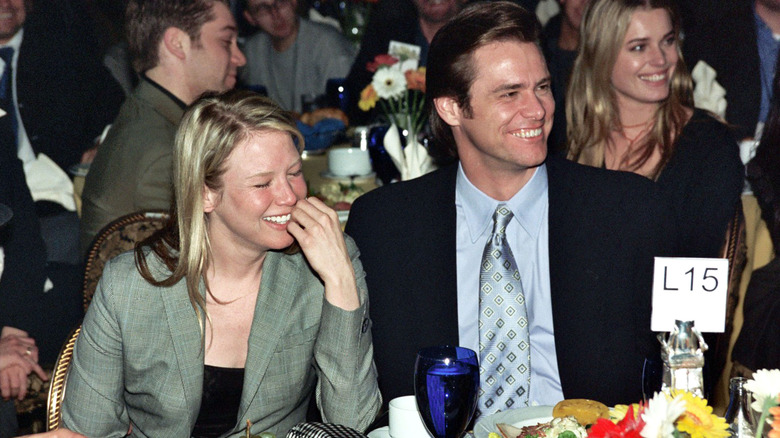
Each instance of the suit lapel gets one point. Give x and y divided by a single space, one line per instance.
187 343
278 287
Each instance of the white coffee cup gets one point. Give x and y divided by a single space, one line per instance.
405 420
349 161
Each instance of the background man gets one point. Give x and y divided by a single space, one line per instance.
406 21
292 56
183 48
559 39
583 239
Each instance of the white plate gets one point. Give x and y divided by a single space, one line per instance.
520 417
382 432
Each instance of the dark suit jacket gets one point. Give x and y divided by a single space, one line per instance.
605 228
66 97
727 42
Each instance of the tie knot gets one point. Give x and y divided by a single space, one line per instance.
7 53
501 218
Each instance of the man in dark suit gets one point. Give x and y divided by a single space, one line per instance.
60 100
583 238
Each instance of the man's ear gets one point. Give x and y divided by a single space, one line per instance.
176 42
250 18
448 110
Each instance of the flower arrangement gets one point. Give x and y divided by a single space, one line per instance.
664 416
399 93
765 386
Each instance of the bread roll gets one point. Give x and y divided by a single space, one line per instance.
585 411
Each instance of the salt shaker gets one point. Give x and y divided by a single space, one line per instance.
683 356
739 415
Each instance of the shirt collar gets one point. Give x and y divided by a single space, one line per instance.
175 99
528 204
15 42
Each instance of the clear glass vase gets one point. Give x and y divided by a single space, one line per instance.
739 416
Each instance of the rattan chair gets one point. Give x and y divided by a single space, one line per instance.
58 380
115 238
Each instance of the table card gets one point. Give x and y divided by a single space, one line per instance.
409 54
692 289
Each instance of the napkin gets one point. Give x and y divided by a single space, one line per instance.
547 9
323 430
708 93
411 161
48 182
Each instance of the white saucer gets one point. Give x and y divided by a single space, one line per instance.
369 177
382 432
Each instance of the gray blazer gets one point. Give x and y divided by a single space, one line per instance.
139 358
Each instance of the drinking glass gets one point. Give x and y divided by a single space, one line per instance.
446 383
652 377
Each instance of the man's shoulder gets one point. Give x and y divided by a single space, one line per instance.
414 192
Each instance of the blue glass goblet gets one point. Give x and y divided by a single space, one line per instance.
446 383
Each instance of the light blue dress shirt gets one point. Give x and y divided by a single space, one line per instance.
528 237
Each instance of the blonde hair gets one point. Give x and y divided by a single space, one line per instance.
591 104
207 135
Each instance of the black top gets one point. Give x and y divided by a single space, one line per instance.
220 401
703 182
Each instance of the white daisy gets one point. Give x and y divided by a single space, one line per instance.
660 415
389 83
765 384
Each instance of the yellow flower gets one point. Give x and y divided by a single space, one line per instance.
619 412
368 98
699 421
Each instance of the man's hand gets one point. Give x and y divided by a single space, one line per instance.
18 358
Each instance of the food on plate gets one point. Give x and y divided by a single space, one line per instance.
339 196
313 117
565 427
586 411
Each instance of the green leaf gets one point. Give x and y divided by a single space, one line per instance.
567 434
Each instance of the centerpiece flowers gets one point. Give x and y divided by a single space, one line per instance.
676 415
398 89
765 386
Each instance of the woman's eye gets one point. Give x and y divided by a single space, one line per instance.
637 48
263 186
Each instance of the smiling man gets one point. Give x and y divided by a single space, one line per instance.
292 56
183 49
541 265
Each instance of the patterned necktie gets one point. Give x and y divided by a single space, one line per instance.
504 340
6 87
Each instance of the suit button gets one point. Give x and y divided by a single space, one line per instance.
364 328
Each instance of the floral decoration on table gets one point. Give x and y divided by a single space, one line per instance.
664 416
765 386
399 93
398 89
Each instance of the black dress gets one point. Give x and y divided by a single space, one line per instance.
703 182
220 401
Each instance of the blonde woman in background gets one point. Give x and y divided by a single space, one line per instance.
247 305
629 107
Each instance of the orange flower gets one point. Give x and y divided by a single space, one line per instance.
415 79
775 413
368 98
